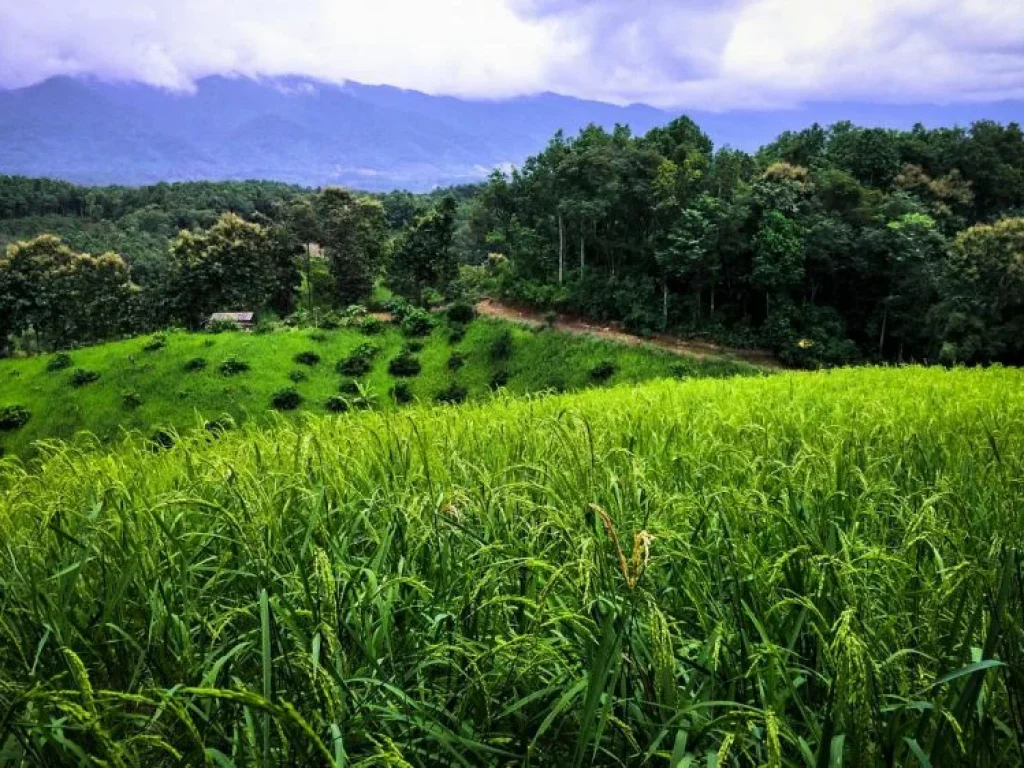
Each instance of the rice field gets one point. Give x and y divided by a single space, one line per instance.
807 569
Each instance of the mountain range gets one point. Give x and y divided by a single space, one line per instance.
369 137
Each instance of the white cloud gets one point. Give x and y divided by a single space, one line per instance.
691 53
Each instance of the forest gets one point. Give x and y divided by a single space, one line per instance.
829 246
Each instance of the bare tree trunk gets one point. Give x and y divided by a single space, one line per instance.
561 248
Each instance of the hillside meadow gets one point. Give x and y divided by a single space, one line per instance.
148 387
806 569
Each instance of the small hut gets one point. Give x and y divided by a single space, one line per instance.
244 320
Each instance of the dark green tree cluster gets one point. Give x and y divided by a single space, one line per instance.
829 245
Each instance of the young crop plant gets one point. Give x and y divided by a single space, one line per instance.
359 361
401 393
195 364
308 357
59 362
405 365
287 399
461 312
131 400
233 366
452 394
337 404
417 322
603 371
455 361
13 417
155 344
298 376
81 376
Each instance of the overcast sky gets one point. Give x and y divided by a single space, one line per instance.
681 53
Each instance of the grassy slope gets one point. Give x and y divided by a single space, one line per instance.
172 398
830 554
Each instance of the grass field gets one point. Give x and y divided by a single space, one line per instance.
149 391
807 569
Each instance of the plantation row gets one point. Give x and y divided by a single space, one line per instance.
814 569
174 381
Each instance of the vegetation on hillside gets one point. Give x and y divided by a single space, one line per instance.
180 380
804 569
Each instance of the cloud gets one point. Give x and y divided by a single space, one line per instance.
680 53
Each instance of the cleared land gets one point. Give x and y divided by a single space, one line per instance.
802 569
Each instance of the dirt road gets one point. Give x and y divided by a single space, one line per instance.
612 332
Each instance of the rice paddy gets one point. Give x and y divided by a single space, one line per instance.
807 569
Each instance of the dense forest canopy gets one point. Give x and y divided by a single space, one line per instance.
830 245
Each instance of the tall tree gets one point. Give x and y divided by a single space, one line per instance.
423 257
353 232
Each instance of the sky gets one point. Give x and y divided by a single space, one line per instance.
700 54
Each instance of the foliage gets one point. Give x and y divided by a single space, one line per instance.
753 558
352 230
82 376
13 417
371 326
307 357
401 393
603 371
359 360
405 364
59 362
131 400
298 376
287 399
222 325
453 394
336 404
424 259
456 332
195 364
461 312
502 346
155 344
233 366
417 322
455 361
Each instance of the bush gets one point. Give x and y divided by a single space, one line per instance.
414 346
131 400
287 399
371 326
80 377
59 362
195 364
233 366
401 392
307 358
417 322
453 394
336 404
404 365
461 312
162 440
223 326
456 361
501 347
359 360
155 344
499 379
218 426
298 376
13 417
603 370
456 333
349 387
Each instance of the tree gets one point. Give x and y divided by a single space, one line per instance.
423 257
982 306
63 296
353 231
233 265
778 265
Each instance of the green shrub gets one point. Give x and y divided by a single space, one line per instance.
405 365
461 312
603 370
307 358
401 393
232 366
413 346
453 394
287 399
195 364
501 346
336 404
417 322
80 377
131 400
59 362
456 361
359 360
161 440
223 326
298 376
499 379
13 417
456 333
218 426
371 326
349 387
155 344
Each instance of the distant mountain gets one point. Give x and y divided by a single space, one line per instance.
370 137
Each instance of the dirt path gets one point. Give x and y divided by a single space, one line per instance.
613 332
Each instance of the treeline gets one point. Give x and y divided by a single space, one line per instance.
829 245
273 249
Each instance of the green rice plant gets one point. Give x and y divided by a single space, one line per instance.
802 569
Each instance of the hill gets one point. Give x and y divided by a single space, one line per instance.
165 390
370 137
802 569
